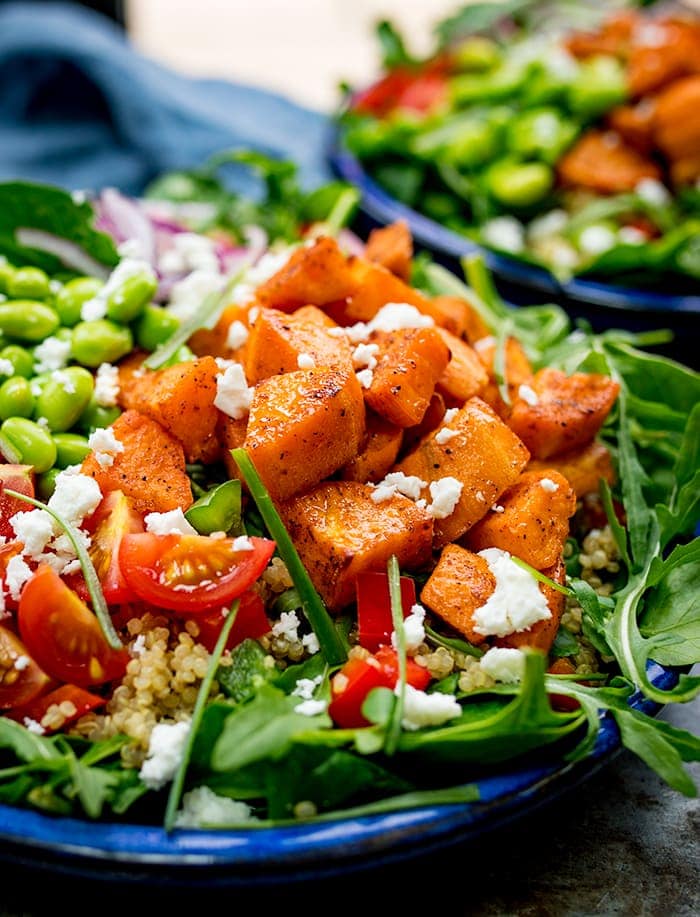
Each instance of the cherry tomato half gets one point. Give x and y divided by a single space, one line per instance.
251 621
63 635
83 701
19 478
114 518
21 679
192 573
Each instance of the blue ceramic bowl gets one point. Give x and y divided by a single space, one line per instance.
604 305
312 850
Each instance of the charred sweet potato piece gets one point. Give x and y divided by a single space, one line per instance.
634 123
460 583
567 413
484 455
409 363
314 275
685 171
221 341
530 520
378 452
339 532
464 375
181 399
459 317
303 426
392 247
278 340
517 372
673 53
583 468
374 287
601 161
151 469
676 125
431 421
613 37
542 633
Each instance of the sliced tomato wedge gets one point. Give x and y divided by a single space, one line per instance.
374 621
63 635
251 621
21 479
83 702
21 678
114 518
358 676
191 573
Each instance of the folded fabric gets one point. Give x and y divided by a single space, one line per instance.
81 108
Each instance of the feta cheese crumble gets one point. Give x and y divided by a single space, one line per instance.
106 385
505 233
105 446
445 494
203 808
549 485
233 396
165 750
51 354
503 664
237 335
365 377
287 626
528 394
517 601
242 543
171 523
444 435
306 361
421 709
413 629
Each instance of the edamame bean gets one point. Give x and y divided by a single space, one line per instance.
27 319
541 133
519 184
477 54
100 341
46 484
21 359
29 283
29 442
73 296
600 85
64 398
6 272
154 326
97 416
16 399
128 301
71 449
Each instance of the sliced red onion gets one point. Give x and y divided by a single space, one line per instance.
258 242
67 252
124 219
350 242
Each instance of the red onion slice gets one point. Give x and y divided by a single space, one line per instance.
67 252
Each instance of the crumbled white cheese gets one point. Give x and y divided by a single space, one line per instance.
106 385
650 35
51 354
413 629
203 808
242 543
505 233
503 664
17 573
528 394
365 377
305 687
631 235
32 726
189 251
64 380
287 626
445 494
395 316
34 529
484 343
21 663
166 747
75 496
365 355
105 446
421 709
305 361
311 707
138 647
517 601
497 508
7 367
410 485
310 643
233 396
188 294
450 415
171 523
596 239
444 435
652 192
382 493
237 335
549 485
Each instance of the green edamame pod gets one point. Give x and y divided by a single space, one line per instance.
21 359
128 301
46 484
64 397
16 398
154 327
518 184
73 296
29 283
27 319
96 417
71 449
100 341
28 442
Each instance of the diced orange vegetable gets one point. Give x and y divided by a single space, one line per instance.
304 426
377 455
613 37
392 247
314 314
542 633
532 522
583 468
601 161
278 339
214 342
634 124
464 375
409 363
459 317
460 583
562 666
231 434
151 469
340 532
314 275
431 421
374 287
674 53
181 399
484 455
568 413
518 371
676 125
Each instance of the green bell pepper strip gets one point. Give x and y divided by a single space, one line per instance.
218 510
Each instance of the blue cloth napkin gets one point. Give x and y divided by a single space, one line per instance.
81 108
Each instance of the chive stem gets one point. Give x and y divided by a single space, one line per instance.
540 577
394 730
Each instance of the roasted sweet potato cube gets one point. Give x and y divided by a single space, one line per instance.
374 287
431 421
459 317
181 399
231 435
542 633
530 520
464 376
409 363
460 583
339 532
227 339
304 426
151 469
314 275
517 372
392 247
482 453
676 128
280 342
655 66
565 413
593 162
377 453
583 468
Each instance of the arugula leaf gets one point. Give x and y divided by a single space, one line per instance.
394 53
671 617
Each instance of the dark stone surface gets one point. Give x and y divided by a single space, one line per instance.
621 843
